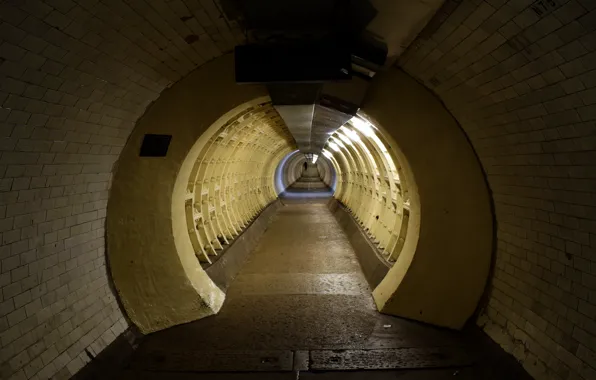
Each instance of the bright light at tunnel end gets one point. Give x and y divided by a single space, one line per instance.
311 157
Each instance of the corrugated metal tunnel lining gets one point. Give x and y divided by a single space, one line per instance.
232 179
370 185
364 174
228 192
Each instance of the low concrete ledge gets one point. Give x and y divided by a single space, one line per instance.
231 260
373 266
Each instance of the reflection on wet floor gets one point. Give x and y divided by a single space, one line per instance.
301 303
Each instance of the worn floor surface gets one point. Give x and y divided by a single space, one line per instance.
301 308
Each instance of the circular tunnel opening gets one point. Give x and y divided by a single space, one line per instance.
231 162
309 174
236 175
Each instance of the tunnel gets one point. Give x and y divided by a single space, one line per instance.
226 189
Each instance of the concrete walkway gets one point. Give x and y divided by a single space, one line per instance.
300 304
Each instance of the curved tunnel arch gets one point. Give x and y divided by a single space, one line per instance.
290 169
231 179
211 204
382 205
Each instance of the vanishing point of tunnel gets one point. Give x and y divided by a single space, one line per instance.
298 189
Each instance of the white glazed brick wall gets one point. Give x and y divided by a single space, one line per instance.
74 78
520 76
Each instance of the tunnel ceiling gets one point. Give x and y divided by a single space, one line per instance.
361 29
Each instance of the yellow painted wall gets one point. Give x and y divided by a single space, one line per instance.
442 270
156 273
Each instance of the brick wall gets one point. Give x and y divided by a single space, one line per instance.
74 78
520 76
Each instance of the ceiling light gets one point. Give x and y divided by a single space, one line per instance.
363 126
352 135
336 140
344 138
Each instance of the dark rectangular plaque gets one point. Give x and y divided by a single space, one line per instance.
155 145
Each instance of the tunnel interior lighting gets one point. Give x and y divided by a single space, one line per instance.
351 134
326 153
339 142
334 146
344 138
315 157
363 126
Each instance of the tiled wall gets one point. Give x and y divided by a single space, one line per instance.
520 77
74 78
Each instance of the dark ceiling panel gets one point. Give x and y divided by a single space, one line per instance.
325 122
303 50
300 93
349 16
306 62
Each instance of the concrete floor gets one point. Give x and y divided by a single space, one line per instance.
301 308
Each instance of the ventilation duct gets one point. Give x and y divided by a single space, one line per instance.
315 57
308 62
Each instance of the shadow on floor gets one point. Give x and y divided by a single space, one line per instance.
301 308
